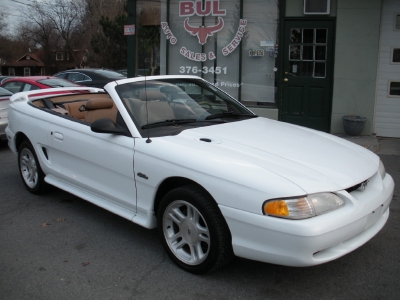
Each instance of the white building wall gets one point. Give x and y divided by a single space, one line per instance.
387 107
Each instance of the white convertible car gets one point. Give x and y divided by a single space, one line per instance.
177 153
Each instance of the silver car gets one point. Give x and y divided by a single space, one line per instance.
4 103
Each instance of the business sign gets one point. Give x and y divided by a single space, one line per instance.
205 8
256 53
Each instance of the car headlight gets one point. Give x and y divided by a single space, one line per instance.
382 169
302 207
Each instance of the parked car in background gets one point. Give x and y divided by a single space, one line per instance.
4 78
31 83
4 103
91 77
178 154
123 72
28 83
4 94
141 72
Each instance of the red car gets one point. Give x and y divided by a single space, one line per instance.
30 83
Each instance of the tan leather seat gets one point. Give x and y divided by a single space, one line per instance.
150 95
157 111
73 109
100 108
134 105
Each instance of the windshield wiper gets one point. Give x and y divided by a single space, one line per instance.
230 113
175 122
171 122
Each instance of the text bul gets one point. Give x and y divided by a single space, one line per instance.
190 8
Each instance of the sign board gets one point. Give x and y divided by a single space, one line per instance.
255 53
267 44
129 29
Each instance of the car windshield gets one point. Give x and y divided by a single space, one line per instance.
57 82
178 102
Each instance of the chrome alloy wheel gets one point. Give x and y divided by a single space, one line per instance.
29 170
186 232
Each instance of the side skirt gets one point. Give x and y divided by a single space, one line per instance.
147 220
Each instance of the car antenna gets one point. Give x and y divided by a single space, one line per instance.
147 110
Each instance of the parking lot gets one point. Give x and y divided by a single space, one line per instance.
57 246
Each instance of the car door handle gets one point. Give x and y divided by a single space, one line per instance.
58 136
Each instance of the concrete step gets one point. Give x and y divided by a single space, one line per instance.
379 145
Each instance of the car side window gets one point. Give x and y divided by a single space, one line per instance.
13 87
78 77
61 75
30 87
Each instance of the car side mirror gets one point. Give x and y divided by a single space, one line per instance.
106 125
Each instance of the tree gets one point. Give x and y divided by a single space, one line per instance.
95 9
110 44
56 25
149 40
13 48
3 23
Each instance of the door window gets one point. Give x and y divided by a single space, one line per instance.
61 75
396 55
13 87
30 87
394 88
307 52
78 77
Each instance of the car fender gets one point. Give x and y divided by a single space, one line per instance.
223 177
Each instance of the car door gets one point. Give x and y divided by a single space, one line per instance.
99 164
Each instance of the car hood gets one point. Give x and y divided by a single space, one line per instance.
312 160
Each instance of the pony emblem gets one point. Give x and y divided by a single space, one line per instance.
203 32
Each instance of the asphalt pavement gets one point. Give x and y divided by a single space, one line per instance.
57 246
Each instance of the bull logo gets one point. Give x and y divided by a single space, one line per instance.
203 32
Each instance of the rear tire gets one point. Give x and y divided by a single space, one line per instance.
29 169
193 231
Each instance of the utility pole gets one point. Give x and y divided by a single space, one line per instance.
131 55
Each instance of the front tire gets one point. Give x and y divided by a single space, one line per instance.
29 169
193 230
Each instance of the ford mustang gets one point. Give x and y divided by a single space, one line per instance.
178 154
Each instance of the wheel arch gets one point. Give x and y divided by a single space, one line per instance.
172 183
19 138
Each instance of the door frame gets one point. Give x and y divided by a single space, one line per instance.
280 59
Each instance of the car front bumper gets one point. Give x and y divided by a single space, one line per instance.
312 241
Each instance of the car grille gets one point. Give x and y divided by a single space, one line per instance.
357 186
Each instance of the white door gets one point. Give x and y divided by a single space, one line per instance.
387 107
101 164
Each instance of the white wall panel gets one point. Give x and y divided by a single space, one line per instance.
387 108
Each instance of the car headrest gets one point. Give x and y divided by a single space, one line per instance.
101 103
151 95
